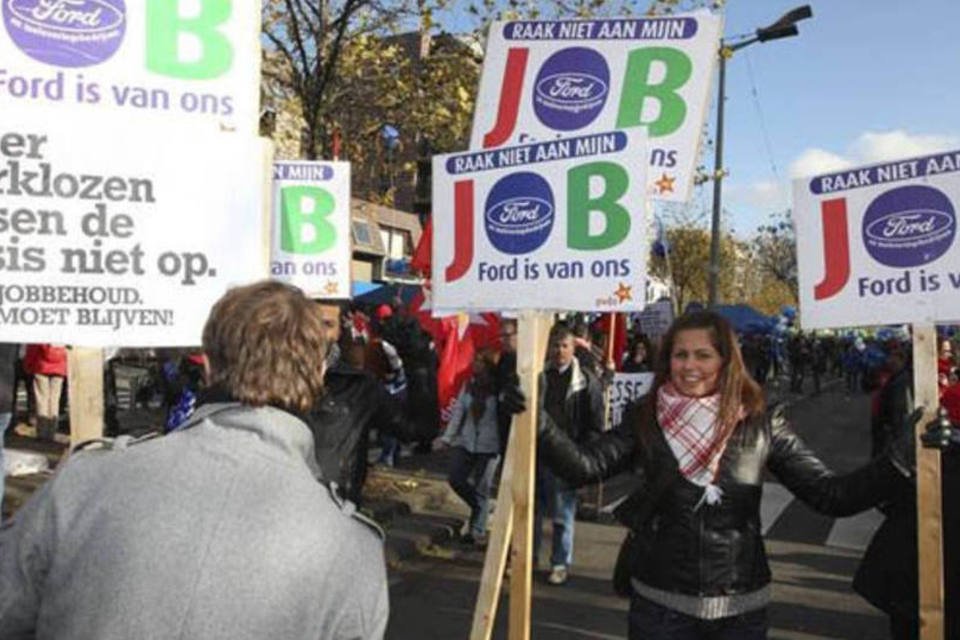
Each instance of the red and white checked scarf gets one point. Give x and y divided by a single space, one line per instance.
692 429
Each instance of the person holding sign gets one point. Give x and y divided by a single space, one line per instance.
220 529
693 563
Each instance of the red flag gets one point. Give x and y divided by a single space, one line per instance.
619 337
421 309
456 362
420 262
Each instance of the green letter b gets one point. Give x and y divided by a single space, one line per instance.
580 205
636 90
164 28
303 224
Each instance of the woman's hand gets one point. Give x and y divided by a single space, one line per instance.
439 443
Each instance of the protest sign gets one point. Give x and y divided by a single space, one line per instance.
626 388
875 244
187 64
125 239
546 78
554 225
656 318
311 227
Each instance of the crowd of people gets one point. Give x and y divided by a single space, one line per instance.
268 433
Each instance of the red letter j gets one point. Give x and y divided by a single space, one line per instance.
836 249
463 231
509 99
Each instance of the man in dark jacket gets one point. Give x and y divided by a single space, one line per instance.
354 403
506 378
571 395
888 576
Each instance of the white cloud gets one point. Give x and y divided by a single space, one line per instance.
813 161
766 195
893 145
870 147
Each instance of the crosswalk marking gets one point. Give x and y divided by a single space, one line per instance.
856 531
852 533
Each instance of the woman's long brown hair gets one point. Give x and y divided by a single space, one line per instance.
737 388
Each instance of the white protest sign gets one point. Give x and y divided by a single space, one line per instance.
626 388
184 63
125 239
546 78
656 318
876 244
311 227
555 225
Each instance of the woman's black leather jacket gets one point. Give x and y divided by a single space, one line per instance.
710 550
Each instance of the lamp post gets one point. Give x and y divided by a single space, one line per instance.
784 27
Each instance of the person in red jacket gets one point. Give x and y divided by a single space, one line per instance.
47 364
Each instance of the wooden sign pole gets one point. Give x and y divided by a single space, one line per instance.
85 380
531 335
488 598
514 515
929 505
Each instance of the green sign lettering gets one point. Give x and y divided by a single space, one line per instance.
303 224
164 28
580 205
637 89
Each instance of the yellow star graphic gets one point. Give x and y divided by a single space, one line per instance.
665 183
331 287
623 293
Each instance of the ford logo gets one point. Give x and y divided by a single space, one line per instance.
574 89
87 16
518 214
571 88
909 226
66 33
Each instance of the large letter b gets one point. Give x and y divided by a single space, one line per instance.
303 224
168 35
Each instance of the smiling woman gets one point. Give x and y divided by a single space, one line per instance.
694 565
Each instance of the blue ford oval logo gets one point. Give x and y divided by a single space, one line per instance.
909 226
518 214
66 33
571 88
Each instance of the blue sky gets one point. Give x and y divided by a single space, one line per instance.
863 82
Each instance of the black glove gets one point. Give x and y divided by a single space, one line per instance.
903 451
512 398
940 433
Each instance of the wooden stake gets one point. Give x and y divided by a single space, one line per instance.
85 380
488 598
532 336
929 506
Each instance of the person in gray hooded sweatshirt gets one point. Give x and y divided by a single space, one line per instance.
223 529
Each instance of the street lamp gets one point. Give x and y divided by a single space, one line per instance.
784 27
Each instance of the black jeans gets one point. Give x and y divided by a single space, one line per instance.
650 621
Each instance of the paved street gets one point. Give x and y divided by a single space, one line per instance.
813 557
813 560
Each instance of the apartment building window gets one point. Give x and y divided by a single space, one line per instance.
361 232
397 243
